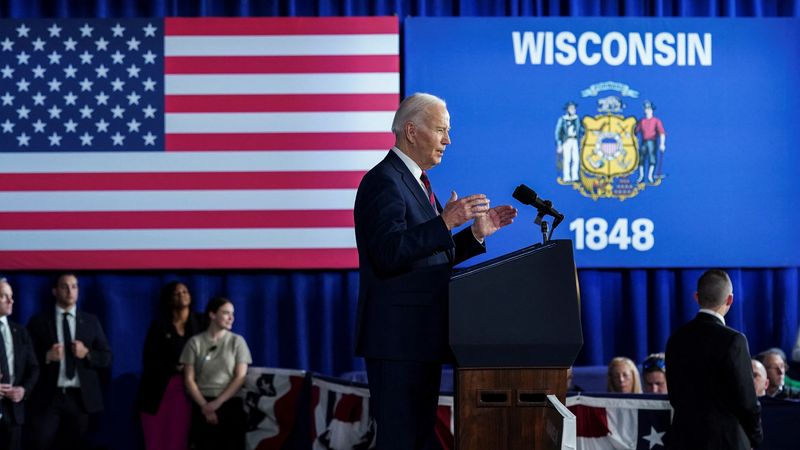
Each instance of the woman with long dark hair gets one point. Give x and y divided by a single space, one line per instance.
162 402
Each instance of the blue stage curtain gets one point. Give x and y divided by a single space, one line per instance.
305 319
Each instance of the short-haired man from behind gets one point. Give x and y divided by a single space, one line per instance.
710 376
18 371
72 349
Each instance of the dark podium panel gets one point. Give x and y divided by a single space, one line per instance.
515 328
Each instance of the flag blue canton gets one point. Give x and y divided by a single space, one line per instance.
81 85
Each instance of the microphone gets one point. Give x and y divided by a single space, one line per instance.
528 196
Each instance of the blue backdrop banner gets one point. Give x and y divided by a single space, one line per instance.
665 142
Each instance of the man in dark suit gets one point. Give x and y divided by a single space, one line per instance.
18 372
71 348
710 378
406 253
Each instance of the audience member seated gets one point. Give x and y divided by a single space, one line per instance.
774 361
654 371
215 365
760 380
162 403
623 376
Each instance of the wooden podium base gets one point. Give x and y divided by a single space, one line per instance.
506 408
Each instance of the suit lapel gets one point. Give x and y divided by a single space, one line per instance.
17 348
413 186
418 193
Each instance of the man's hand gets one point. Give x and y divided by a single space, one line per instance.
56 353
558 149
458 211
79 350
496 218
5 390
16 394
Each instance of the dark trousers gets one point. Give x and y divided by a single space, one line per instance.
227 434
64 422
404 396
10 432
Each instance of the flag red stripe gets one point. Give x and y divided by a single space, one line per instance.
278 141
117 220
185 259
178 181
281 64
590 421
262 26
280 103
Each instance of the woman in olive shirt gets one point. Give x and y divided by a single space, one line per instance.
215 365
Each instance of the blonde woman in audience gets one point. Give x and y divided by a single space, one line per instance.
623 376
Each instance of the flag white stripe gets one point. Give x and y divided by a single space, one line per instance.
176 239
157 162
194 200
282 122
328 83
300 45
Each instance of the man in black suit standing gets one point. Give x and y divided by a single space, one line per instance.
406 252
18 369
710 378
71 348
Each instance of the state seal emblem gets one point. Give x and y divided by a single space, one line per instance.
610 154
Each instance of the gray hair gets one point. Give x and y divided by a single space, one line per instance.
713 288
771 351
411 108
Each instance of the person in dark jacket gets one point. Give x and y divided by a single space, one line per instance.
72 351
710 377
163 406
19 371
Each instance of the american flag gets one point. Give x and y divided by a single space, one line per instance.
190 143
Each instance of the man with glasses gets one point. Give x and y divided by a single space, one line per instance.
710 376
655 374
774 360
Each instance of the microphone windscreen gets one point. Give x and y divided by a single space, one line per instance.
524 194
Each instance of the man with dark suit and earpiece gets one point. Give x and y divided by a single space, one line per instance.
710 377
18 372
406 252
72 349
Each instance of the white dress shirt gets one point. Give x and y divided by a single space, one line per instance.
63 381
8 340
714 313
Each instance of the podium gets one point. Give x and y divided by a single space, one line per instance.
515 329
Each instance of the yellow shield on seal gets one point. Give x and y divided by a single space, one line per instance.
609 147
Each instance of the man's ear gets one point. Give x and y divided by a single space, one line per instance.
697 298
410 131
729 300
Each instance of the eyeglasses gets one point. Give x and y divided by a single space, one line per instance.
650 364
